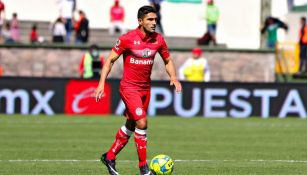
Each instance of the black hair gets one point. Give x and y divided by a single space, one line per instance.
145 10
303 19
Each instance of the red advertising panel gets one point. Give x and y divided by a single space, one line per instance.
80 100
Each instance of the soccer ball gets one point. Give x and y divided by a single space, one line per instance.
162 165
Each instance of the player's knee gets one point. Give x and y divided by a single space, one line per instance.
141 124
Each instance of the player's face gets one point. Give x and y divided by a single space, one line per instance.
149 22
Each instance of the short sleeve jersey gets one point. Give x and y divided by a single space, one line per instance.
138 52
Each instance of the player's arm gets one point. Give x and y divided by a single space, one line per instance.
171 71
99 92
169 66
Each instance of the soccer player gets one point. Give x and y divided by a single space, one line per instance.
138 48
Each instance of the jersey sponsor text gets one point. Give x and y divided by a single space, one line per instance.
141 62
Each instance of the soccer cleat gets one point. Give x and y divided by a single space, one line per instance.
110 164
145 170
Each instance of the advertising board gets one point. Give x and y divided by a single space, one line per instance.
210 100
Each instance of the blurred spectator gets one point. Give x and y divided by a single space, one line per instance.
91 63
271 26
82 28
205 39
67 9
15 31
34 34
117 14
7 34
212 17
58 31
303 46
2 16
157 5
196 68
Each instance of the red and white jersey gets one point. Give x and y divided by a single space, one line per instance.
139 52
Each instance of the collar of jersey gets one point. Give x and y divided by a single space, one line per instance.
143 36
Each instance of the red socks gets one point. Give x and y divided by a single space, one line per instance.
140 140
121 140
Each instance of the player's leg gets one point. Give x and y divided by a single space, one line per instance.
130 124
140 136
122 135
121 139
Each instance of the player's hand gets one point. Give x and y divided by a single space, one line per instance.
177 85
99 93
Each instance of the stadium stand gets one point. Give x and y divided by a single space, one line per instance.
99 36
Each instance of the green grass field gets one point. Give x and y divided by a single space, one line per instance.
63 145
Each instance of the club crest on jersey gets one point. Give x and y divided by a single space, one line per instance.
146 53
138 111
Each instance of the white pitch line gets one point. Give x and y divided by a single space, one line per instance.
179 160
282 161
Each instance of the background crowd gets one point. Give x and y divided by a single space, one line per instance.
73 27
69 28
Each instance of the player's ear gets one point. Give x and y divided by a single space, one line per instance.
140 21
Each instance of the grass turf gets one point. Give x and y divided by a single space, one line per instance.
225 146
